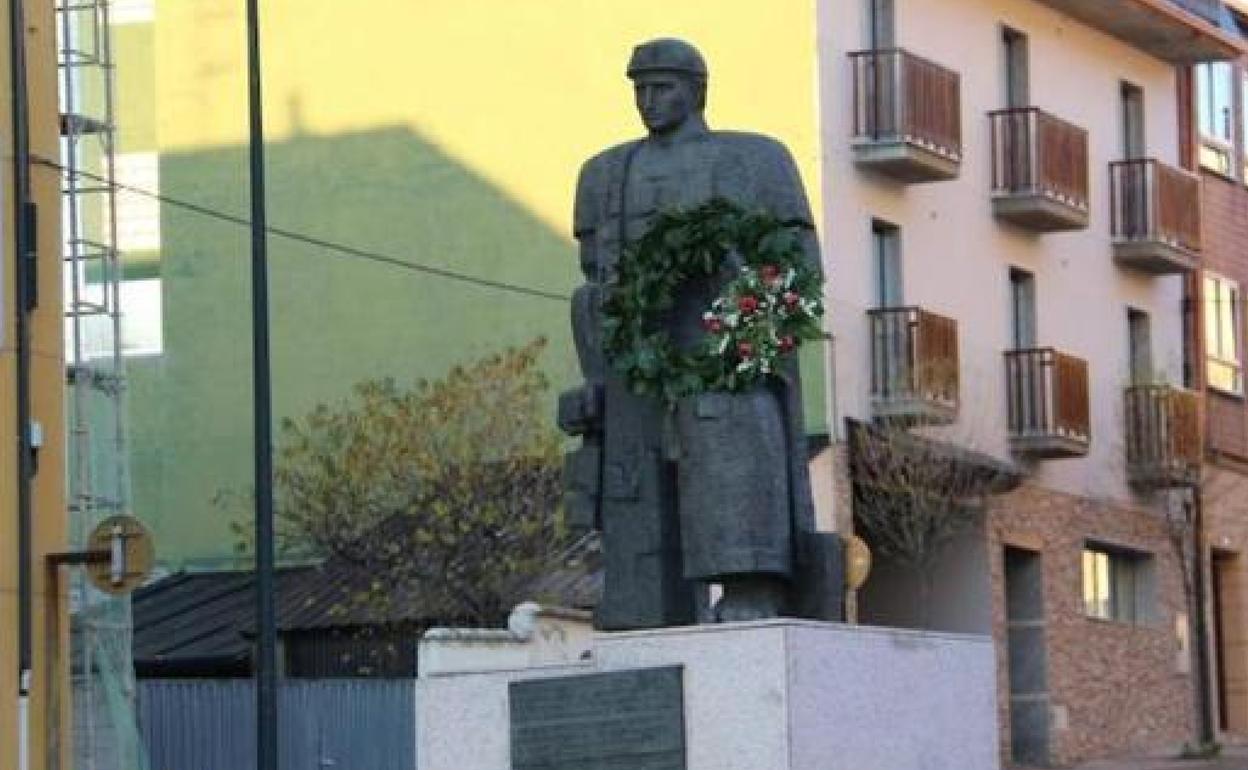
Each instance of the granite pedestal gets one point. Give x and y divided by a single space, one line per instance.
769 695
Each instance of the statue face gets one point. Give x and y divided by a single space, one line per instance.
665 100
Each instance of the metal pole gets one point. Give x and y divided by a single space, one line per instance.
24 293
1204 685
266 647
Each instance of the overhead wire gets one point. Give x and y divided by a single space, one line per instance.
315 241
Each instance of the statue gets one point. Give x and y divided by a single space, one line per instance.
726 500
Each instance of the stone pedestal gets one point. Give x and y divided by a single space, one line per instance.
770 695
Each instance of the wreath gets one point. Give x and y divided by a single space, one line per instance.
769 304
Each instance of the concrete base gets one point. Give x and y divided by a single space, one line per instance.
771 695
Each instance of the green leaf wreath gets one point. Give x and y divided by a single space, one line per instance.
763 313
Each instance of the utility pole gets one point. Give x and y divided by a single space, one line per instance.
26 296
266 643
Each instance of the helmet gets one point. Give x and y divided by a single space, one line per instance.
666 54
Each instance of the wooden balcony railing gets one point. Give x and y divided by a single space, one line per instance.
1035 153
1163 434
1151 201
1047 394
914 359
905 98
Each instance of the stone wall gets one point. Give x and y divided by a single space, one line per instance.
1114 687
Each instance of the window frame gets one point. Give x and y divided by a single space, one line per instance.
1213 323
1215 152
1024 324
887 264
1124 575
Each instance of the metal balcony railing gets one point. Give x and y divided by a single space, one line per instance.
914 363
1163 435
1151 201
1035 153
1047 396
901 97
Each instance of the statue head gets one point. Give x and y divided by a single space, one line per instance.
669 83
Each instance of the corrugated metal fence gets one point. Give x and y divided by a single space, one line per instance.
343 724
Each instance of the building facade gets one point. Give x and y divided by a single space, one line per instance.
1009 224
46 706
1215 96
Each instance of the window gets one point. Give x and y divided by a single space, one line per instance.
886 252
1214 111
1139 346
1133 145
1243 118
1223 346
1116 583
1016 88
1022 309
880 23
138 215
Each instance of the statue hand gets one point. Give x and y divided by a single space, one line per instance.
580 409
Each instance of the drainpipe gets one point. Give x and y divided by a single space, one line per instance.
1204 687
23 216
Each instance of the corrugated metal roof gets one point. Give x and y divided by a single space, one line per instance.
197 621
200 623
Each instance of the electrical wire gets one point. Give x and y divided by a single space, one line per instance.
311 240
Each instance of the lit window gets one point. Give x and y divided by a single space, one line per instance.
1215 82
1115 584
1223 351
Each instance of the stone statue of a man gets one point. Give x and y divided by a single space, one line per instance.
626 480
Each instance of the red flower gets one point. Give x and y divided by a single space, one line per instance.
747 304
787 343
769 273
745 349
713 325
790 298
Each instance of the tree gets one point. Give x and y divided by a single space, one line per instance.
445 495
913 495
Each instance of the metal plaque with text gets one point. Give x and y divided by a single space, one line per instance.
622 720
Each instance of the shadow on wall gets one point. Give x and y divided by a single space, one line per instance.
335 318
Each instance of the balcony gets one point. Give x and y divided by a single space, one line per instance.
907 116
1047 394
914 366
1164 443
1155 216
1039 170
1177 31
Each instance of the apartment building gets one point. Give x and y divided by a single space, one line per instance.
1215 132
1010 227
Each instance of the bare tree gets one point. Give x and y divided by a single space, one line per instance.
913 495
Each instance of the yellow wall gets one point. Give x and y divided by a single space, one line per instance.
47 388
520 91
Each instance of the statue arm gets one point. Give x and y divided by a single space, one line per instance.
580 408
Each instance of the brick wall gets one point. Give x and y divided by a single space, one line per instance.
1114 687
1225 210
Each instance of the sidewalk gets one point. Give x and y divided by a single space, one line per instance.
1232 758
